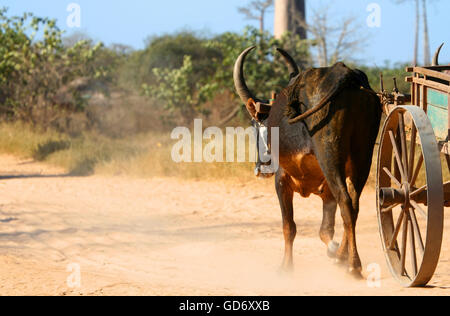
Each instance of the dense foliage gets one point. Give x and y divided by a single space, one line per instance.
39 78
185 71
176 78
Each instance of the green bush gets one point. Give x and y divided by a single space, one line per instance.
40 78
52 81
398 72
185 72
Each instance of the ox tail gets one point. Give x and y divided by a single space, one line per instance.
318 107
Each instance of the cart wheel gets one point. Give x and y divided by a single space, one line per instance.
410 199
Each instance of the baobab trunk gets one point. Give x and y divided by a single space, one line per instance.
426 37
416 35
290 17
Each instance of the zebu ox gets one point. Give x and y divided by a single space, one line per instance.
328 121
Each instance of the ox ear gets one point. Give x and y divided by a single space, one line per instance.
251 108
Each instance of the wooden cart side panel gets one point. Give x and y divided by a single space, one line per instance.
437 104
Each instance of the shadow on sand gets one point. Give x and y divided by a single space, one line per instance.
34 176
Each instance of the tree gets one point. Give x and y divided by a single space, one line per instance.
416 35
426 36
334 41
41 78
256 10
290 17
168 51
76 37
179 91
265 70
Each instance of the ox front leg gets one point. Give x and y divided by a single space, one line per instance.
286 196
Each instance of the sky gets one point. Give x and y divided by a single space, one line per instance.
131 22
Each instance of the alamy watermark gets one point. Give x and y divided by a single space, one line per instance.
74 279
374 18
74 18
374 277
211 145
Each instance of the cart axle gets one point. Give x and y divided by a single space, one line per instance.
389 197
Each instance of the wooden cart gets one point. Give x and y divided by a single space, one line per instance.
411 193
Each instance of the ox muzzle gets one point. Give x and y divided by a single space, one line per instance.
264 167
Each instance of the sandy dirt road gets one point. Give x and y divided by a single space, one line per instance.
171 237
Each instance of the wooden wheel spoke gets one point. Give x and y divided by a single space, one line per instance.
402 134
393 178
412 245
404 242
418 208
397 230
398 158
390 208
418 191
417 170
417 232
412 152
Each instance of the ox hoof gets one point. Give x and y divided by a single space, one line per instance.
332 250
356 273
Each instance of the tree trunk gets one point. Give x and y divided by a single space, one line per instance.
416 39
426 37
281 18
290 17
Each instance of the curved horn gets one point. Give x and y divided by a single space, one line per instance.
436 56
239 80
292 65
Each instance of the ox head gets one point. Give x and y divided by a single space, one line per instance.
253 103
259 109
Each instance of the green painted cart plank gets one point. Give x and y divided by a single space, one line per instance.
437 112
